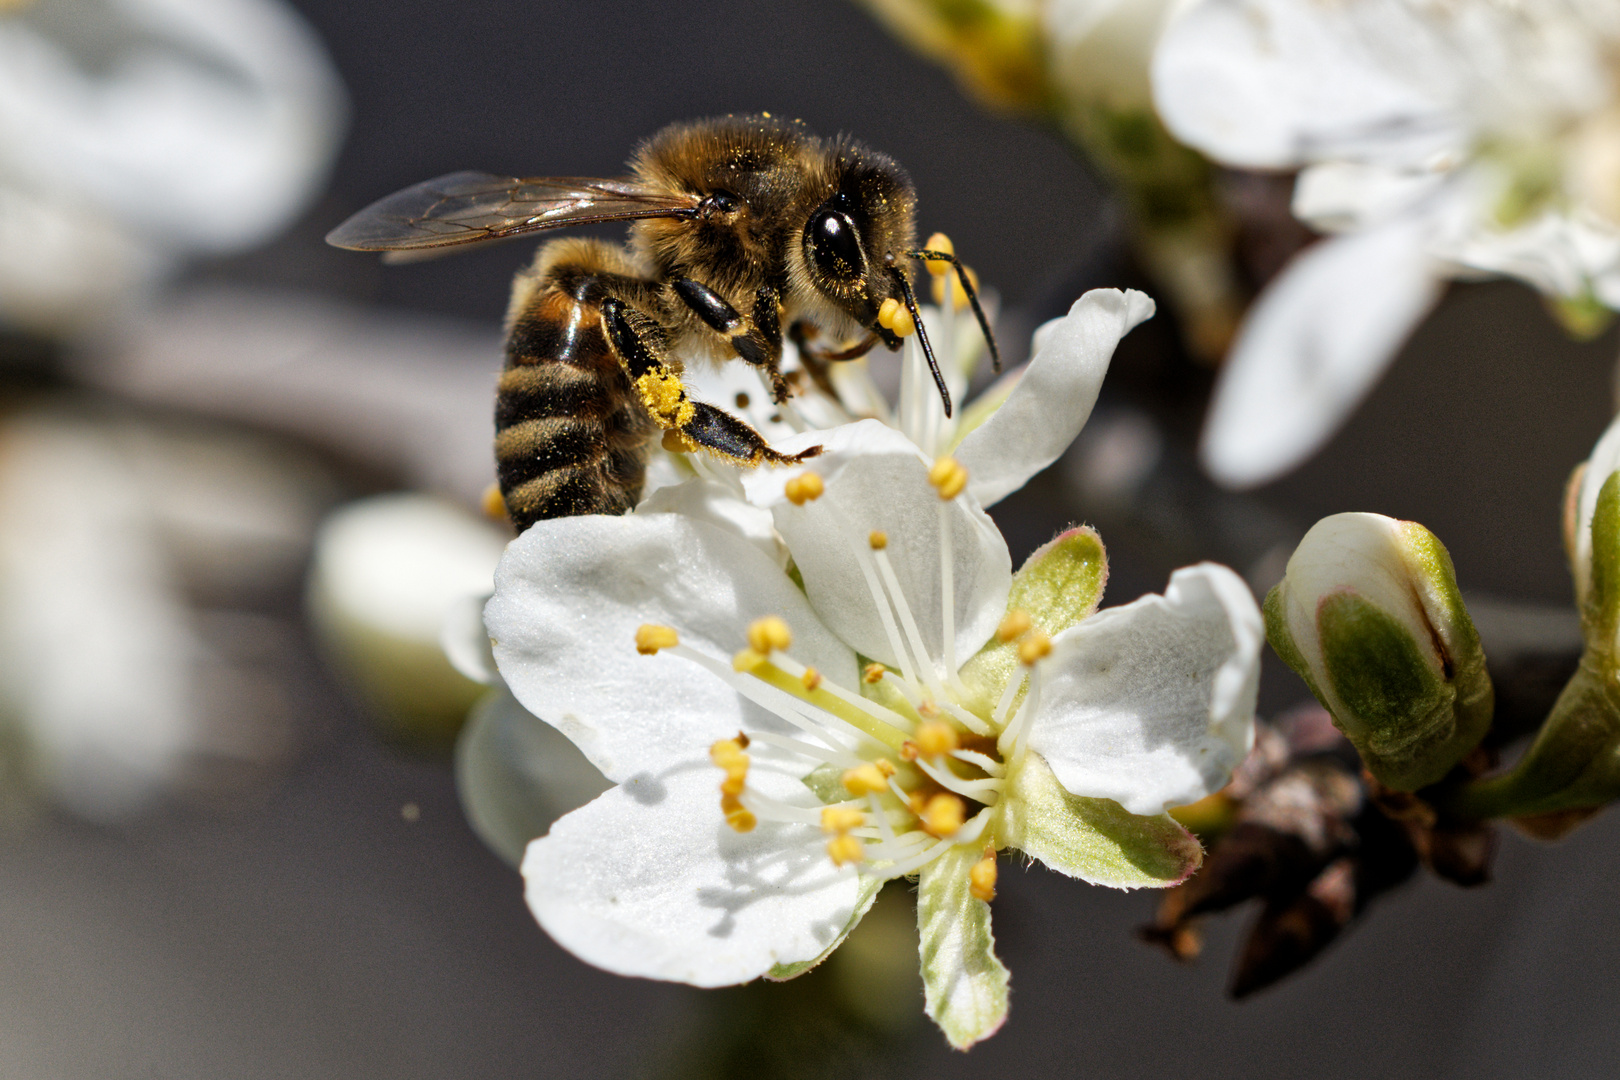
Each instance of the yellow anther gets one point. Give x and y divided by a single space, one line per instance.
845 849
736 781
841 819
806 487
865 780
873 673
927 709
738 816
878 539
1036 644
728 754
885 766
948 476
650 637
769 633
959 296
908 751
935 738
941 243
943 814
811 678
917 802
747 660
493 503
1014 626
886 313
982 878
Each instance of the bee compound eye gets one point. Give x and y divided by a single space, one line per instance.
834 245
721 202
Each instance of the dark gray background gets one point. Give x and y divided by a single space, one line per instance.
315 933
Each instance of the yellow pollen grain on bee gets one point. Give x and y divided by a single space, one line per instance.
864 779
841 819
811 678
873 673
769 633
948 476
941 243
934 738
845 849
1013 626
650 637
904 325
674 442
493 503
806 487
943 814
877 539
1036 645
982 878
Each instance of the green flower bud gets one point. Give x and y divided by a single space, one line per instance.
1370 617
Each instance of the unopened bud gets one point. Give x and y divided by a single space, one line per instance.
1370 617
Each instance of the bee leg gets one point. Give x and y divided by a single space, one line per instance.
757 341
814 361
643 348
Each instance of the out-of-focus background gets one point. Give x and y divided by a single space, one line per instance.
239 481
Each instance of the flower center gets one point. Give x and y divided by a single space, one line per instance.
905 770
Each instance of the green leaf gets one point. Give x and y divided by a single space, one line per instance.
1095 840
964 985
1058 585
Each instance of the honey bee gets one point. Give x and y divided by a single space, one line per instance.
741 226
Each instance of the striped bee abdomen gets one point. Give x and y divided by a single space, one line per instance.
570 436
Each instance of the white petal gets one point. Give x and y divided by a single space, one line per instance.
516 774
877 480
715 503
569 596
648 880
1338 196
1152 704
1274 84
1053 397
466 642
1312 346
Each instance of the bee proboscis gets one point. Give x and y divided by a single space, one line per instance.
742 226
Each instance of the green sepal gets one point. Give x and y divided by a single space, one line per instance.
1095 840
869 888
964 985
1600 616
1059 584
1281 639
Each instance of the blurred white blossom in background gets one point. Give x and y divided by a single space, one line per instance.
1438 140
136 132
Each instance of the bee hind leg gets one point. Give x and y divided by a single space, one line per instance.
642 349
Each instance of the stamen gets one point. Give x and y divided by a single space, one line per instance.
1008 693
880 601
873 673
982 878
1035 646
947 588
986 791
943 814
934 738
926 670
493 503
841 819
769 634
877 539
806 487
1014 625
941 243
969 834
650 637
983 761
948 476
853 710
864 780
1011 742
738 816
882 818
814 753
878 712
967 719
811 678
767 696
845 849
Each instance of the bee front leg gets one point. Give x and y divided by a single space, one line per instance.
642 347
757 341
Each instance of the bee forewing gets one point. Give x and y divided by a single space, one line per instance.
473 207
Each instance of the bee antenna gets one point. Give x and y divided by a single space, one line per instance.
922 336
972 295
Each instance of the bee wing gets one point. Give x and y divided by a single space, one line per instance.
474 207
